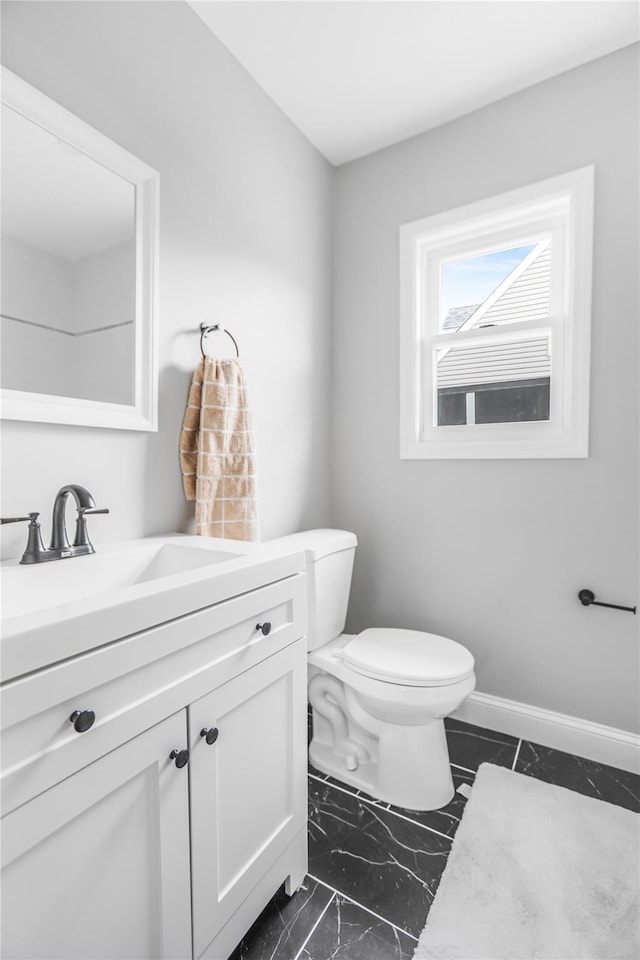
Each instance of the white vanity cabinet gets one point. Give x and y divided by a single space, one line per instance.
112 850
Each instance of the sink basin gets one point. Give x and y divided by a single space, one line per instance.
63 608
37 587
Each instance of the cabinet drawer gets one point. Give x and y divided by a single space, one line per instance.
136 682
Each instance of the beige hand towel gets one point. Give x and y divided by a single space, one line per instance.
217 452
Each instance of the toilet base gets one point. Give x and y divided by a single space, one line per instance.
411 769
325 760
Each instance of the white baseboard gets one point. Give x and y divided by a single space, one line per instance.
618 748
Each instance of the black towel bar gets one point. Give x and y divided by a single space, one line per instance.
588 597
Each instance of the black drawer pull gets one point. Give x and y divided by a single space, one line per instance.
181 757
82 720
210 734
265 628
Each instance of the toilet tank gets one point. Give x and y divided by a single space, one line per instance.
329 558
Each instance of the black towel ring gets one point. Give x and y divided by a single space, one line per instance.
206 328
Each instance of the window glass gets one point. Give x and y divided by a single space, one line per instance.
502 380
500 286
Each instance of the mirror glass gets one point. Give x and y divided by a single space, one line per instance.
68 269
76 294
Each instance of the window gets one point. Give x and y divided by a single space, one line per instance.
495 325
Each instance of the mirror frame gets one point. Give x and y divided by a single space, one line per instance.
47 408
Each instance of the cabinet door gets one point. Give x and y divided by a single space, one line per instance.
248 787
98 866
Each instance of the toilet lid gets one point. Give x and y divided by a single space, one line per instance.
408 657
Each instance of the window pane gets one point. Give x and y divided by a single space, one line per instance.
503 286
501 381
528 401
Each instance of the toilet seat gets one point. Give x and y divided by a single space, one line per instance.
407 657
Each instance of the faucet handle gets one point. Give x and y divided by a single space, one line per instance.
81 538
35 552
31 516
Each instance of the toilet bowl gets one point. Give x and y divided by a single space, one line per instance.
378 698
396 723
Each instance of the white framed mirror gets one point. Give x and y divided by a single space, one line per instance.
79 263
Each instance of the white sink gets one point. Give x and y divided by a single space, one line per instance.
61 608
26 589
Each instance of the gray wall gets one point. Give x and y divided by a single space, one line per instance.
492 553
244 239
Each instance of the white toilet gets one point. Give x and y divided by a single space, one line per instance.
378 697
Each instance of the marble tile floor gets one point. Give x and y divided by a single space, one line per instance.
374 869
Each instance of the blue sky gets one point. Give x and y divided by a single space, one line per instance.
473 279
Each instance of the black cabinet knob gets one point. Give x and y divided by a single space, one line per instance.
181 757
82 720
265 628
210 734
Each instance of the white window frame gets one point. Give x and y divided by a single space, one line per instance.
561 207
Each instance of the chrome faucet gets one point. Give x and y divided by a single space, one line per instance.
59 541
60 547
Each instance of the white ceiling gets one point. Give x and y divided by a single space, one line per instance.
358 75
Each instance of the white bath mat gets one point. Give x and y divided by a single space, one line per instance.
537 872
